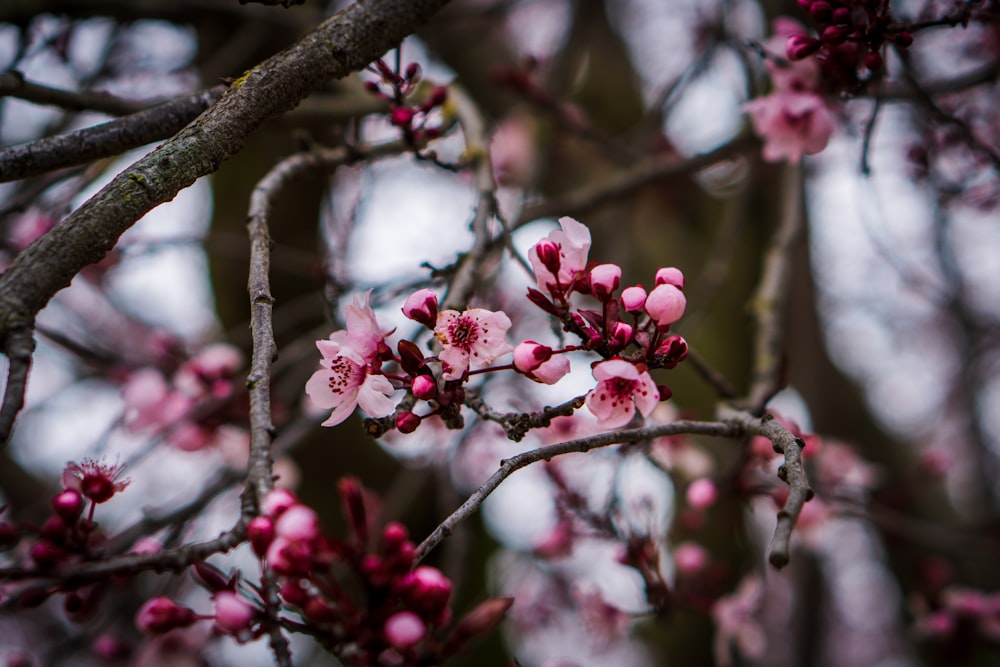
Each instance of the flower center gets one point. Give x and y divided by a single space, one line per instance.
344 374
463 332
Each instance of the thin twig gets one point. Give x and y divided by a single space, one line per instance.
13 84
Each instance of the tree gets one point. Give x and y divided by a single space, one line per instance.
566 240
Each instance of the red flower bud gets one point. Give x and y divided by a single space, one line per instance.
407 422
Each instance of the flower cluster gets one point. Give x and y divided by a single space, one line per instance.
852 35
629 331
795 119
395 89
177 409
393 613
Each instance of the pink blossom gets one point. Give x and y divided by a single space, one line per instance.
149 401
191 436
670 275
790 68
363 334
539 363
210 372
791 124
95 479
621 388
571 245
298 522
233 614
474 337
404 629
277 502
690 558
345 383
665 304
514 151
735 622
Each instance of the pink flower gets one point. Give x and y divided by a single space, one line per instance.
95 480
233 614
363 334
701 493
539 363
736 622
514 151
298 522
563 257
690 558
344 383
791 124
474 337
404 629
149 401
665 304
621 388
210 372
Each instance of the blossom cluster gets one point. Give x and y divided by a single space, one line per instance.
628 329
412 119
393 612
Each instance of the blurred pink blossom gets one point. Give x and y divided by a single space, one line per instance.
792 124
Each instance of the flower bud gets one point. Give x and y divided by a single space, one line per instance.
478 622
160 615
873 61
842 16
690 558
701 493
633 298
529 355
260 533
297 523
665 304
424 387
799 47
604 280
548 255
402 116
670 275
68 505
404 630
422 307
277 501
407 422
233 614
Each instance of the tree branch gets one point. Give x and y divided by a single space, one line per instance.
13 84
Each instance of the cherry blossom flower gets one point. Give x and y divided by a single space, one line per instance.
344 383
363 334
561 258
791 124
95 480
472 338
621 388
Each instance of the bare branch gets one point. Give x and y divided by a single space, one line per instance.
13 84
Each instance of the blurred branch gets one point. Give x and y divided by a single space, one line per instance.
111 138
13 84
770 302
628 180
517 424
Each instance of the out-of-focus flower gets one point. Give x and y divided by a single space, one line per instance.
233 614
474 337
404 629
621 388
736 622
96 480
792 124
161 615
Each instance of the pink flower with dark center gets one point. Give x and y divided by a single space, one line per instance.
791 124
95 480
472 338
621 388
344 383
573 245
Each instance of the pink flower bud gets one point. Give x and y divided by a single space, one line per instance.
799 47
298 522
278 501
424 387
834 34
427 589
665 304
68 505
842 16
701 493
529 355
633 298
621 334
260 533
821 11
873 61
548 255
160 615
393 536
604 280
690 558
404 629
422 307
407 422
670 275
402 116
903 39
233 614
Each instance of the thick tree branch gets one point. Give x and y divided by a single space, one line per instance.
112 138
344 43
